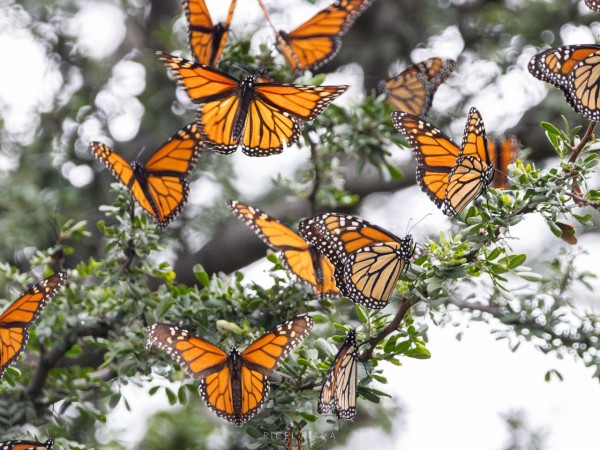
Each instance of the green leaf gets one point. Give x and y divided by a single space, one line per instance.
418 352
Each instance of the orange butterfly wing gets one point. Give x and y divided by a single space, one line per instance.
21 314
503 152
318 40
338 393
473 170
234 386
206 40
435 153
160 186
412 90
300 257
368 260
262 116
27 445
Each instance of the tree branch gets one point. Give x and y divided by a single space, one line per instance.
589 133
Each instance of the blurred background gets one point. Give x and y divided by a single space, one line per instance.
76 71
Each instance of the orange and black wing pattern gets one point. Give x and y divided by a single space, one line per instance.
21 314
234 386
318 40
575 70
299 256
160 186
368 260
338 393
267 118
27 445
435 152
503 152
473 170
206 40
412 90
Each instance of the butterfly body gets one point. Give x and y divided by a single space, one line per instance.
261 116
21 314
235 385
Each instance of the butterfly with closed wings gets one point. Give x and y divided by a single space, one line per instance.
27 445
299 256
21 314
319 39
235 385
450 175
575 70
338 393
368 260
262 116
206 40
503 152
160 186
412 90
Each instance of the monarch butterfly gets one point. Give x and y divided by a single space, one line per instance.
27 445
262 116
300 257
594 5
206 40
338 394
368 260
234 386
574 70
503 152
160 186
451 176
319 39
21 314
412 90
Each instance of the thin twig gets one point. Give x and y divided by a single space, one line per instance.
405 305
312 198
589 133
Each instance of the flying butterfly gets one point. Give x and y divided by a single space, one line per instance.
235 385
21 314
412 90
319 39
299 256
160 186
503 152
206 40
27 445
262 116
451 176
575 70
594 5
338 394
368 260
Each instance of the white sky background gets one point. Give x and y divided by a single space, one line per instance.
455 399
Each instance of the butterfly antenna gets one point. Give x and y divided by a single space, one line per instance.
408 230
264 10
140 153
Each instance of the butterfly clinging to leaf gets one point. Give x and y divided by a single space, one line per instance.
206 40
21 314
450 175
412 90
338 393
235 385
368 260
160 186
299 256
261 116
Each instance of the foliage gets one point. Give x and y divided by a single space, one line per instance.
88 345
